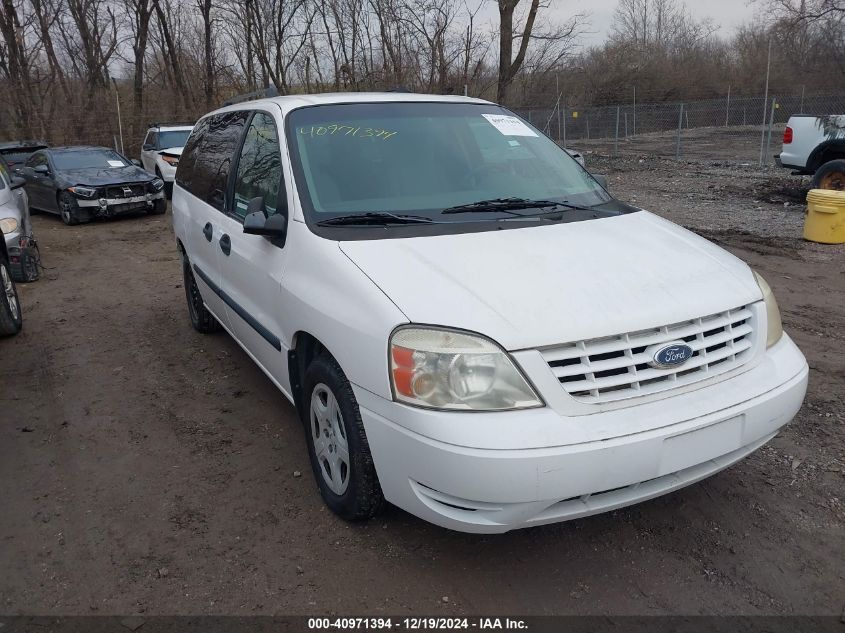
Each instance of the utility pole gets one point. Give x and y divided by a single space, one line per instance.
678 141
634 132
771 125
728 107
616 141
765 102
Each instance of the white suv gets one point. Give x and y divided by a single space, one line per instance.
469 325
161 150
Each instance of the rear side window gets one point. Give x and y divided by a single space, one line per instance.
188 160
207 159
259 167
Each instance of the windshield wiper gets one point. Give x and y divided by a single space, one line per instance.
510 205
374 217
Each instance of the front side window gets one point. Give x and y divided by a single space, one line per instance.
424 158
36 159
88 159
150 142
259 167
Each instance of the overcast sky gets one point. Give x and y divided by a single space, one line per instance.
727 14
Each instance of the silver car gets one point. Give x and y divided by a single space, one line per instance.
16 227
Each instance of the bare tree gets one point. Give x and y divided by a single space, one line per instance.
555 37
14 63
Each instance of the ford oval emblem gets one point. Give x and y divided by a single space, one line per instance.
666 355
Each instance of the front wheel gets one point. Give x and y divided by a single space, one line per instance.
159 207
10 307
68 208
337 444
831 175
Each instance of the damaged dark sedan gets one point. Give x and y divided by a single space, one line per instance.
84 183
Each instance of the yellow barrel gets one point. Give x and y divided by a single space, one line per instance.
825 220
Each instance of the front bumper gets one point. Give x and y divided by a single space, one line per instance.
496 490
108 207
167 171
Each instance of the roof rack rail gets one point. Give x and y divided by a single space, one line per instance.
171 123
263 93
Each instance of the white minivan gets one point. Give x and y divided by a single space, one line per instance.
469 325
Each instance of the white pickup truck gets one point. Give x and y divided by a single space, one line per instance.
816 145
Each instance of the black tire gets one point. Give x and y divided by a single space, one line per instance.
202 320
362 497
159 207
68 209
831 175
28 270
10 308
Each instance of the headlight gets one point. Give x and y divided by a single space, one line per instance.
8 225
83 192
444 369
156 184
774 324
170 160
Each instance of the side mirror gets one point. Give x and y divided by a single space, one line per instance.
136 162
148 147
601 179
18 182
257 222
41 169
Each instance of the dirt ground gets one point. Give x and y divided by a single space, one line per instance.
147 469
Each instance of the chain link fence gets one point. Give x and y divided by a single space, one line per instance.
743 129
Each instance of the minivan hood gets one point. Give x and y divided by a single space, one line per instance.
553 284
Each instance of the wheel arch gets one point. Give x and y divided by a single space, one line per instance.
4 252
826 152
305 347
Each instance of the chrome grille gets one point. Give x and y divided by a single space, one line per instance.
616 367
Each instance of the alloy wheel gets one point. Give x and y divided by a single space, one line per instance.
9 292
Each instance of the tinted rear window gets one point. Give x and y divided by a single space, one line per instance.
19 154
205 164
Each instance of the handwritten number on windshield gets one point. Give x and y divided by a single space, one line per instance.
334 129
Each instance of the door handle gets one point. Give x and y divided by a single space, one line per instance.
208 231
225 244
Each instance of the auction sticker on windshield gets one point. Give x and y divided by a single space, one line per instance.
509 125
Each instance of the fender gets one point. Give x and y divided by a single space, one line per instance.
815 159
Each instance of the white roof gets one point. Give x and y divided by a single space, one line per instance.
290 102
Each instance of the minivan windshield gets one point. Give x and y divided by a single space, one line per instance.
173 138
88 159
425 158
